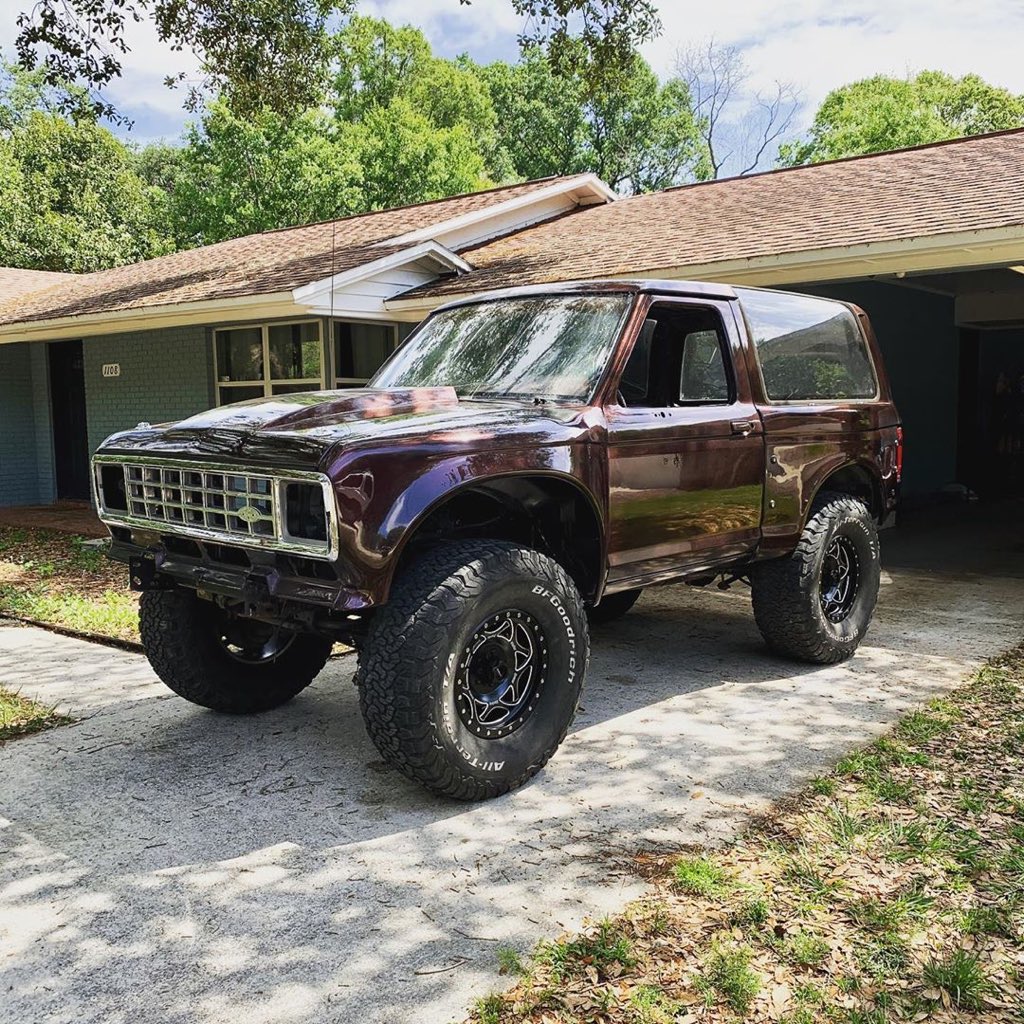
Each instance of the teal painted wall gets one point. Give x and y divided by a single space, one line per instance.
165 375
921 347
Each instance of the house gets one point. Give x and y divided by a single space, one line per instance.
930 241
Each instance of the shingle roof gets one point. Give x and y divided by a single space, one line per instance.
262 264
15 282
964 185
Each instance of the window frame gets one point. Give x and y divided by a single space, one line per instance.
725 349
349 382
783 402
224 388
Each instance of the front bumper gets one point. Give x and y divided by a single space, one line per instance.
270 583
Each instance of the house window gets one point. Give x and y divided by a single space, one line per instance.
269 359
359 351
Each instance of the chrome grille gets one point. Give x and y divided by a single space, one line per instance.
228 504
239 505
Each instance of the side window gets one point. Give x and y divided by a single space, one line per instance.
679 359
808 348
703 377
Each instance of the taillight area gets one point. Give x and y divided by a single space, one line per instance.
899 454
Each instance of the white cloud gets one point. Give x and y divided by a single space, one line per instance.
817 45
814 44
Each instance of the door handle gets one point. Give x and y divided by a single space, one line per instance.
743 427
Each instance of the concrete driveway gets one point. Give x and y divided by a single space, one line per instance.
159 863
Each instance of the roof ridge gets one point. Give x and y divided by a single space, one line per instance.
407 206
960 140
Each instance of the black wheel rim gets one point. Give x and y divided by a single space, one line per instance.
840 579
501 674
253 642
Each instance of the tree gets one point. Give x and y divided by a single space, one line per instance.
404 158
239 175
254 53
260 54
637 134
738 128
883 113
72 200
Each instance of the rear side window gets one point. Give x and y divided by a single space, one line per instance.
808 348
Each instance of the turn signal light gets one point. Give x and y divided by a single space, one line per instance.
899 454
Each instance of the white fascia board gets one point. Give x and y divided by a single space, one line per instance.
962 250
309 294
522 211
146 318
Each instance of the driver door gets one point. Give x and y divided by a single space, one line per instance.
685 448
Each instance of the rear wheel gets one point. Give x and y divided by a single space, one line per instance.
816 604
471 673
223 662
613 606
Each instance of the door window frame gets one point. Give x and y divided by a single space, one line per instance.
726 347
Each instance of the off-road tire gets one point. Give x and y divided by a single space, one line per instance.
786 592
410 675
613 607
181 638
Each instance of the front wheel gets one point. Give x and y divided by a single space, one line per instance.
816 604
471 673
219 661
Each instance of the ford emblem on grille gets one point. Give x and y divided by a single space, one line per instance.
249 514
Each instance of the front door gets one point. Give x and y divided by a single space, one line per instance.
685 449
67 401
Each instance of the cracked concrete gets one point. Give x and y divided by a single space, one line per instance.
159 863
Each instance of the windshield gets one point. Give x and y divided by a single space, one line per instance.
549 347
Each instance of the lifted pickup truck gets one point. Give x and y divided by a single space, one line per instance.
527 461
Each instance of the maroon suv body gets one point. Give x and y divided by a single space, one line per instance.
631 433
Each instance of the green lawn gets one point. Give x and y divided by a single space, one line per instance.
891 890
57 578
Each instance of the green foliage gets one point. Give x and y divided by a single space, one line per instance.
883 113
20 716
805 950
728 974
635 133
238 175
961 977
698 876
650 1005
71 198
255 53
602 946
488 1009
509 961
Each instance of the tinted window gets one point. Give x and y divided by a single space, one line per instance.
808 348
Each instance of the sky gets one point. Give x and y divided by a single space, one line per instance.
814 44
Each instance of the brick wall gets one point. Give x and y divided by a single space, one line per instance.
19 478
165 375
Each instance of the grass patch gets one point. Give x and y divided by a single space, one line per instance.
961 977
20 716
509 962
489 1009
727 975
651 1005
604 947
63 580
891 891
699 876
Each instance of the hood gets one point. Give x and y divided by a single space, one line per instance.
298 430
